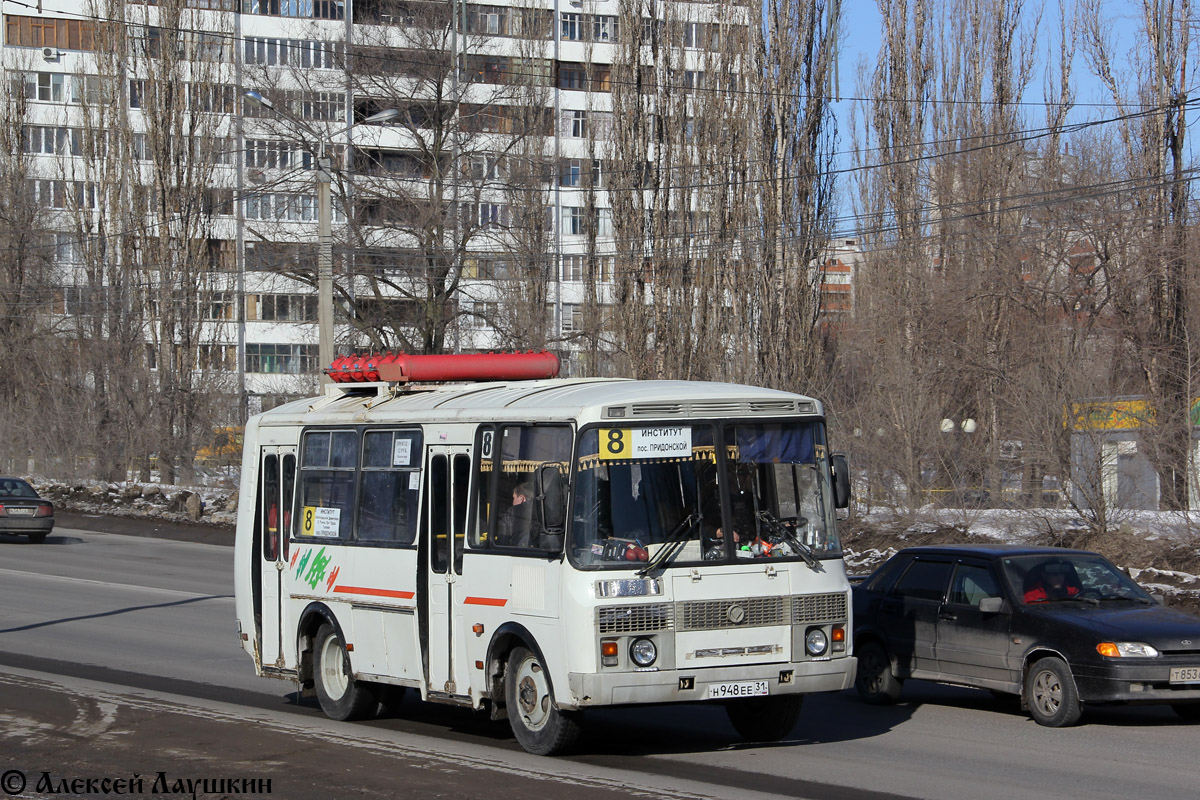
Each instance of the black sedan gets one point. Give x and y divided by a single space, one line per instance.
1061 628
22 511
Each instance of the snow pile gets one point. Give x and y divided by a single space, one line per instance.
187 504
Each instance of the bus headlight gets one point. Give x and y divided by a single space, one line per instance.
816 642
643 652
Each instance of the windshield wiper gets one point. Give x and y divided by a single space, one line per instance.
674 542
790 536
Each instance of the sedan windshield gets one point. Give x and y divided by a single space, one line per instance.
662 495
1073 576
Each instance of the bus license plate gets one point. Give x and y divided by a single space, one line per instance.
1185 675
724 691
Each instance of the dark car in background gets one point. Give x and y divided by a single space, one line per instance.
1061 628
23 512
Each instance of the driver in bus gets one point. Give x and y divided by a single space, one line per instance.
515 528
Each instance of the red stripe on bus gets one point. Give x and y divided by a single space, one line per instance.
373 592
484 601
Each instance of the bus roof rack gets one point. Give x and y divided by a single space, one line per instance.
455 367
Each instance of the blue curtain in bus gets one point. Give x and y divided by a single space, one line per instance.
791 444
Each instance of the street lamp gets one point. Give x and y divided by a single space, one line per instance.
968 427
324 223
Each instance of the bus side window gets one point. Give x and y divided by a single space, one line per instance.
271 503
525 450
485 472
439 513
289 492
389 487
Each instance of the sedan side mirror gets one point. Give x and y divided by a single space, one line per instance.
992 605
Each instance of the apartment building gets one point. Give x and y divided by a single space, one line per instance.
470 151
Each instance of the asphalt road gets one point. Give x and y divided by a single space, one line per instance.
118 657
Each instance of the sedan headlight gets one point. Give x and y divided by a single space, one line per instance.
1126 650
816 642
643 652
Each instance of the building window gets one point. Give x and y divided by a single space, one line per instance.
487 20
569 27
57 140
604 28
572 172
579 124
216 357
572 318
287 308
281 359
67 249
572 76
572 267
218 202
304 53
485 168
573 220
304 9
68 34
491 215
286 207
482 314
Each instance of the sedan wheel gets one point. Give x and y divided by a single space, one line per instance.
1051 695
875 682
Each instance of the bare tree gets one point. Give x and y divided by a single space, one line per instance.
1153 283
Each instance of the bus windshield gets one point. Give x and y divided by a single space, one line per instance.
762 492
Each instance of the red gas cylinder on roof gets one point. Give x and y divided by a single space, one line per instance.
371 367
404 368
471 367
339 370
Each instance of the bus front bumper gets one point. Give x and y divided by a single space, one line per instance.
588 689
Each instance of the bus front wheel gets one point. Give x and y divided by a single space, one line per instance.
341 697
540 727
765 719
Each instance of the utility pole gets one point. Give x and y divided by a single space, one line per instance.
324 266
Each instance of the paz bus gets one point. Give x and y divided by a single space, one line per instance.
475 530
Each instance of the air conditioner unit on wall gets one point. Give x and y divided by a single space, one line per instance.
50 54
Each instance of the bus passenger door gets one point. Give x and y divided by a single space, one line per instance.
447 482
277 481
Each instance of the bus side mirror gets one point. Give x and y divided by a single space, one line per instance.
841 481
553 507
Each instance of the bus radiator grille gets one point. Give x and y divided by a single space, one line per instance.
752 612
635 618
809 608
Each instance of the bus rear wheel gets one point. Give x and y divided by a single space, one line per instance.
540 727
341 697
765 719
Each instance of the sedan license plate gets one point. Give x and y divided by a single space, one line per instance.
724 691
1185 675
20 512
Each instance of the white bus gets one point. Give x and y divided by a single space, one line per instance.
540 547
